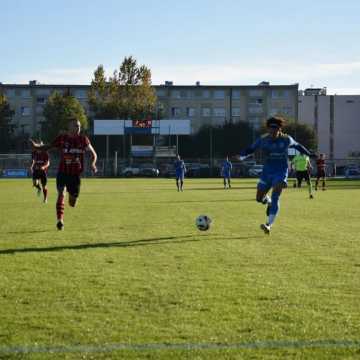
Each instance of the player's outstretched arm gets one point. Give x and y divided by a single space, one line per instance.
94 158
39 146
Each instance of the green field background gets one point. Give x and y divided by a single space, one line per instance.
131 277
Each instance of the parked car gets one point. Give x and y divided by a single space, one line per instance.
255 170
130 171
352 173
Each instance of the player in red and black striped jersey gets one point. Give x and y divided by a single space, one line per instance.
39 166
320 165
72 146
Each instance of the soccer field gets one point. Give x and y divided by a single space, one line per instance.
131 277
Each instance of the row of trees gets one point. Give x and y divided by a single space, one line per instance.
128 94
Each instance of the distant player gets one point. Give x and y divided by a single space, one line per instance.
275 147
226 172
320 174
39 166
180 171
302 165
72 146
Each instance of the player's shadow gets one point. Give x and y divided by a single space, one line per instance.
205 201
124 244
222 189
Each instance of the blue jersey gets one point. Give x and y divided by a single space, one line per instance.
180 168
275 151
226 168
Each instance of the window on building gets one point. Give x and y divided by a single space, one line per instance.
206 94
219 94
10 93
255 109
205 111
256 101
236 94
25 93
255 93
43 92
25 111
81 94
161 92
190 112
219 112
235 111
279 94
41 100
175 94
175 111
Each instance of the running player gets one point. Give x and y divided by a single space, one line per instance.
39 166
226 172
301 164
275 146
72 146
320 165
180 171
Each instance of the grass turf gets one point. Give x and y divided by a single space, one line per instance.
131 277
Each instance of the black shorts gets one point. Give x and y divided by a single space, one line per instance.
300 175
320 174
40 175
70 182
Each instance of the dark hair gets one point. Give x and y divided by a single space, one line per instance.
275 120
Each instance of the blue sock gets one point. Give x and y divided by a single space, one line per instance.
274 207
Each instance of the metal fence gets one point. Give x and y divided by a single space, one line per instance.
19 165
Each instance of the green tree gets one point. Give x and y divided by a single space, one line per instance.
303 133
126 94
57 111
6 128
227 139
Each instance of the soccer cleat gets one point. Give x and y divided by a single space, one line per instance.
311 196
265 228
60 225
45 201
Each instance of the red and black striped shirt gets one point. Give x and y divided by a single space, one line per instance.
40 159
320 163
72 149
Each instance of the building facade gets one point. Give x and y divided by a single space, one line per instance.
202 104
336 120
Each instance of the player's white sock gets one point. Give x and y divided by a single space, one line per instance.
271 219
266 200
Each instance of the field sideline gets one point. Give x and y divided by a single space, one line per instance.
131 277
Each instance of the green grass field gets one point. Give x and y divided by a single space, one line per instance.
131 277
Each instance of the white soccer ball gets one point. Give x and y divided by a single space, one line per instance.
203 222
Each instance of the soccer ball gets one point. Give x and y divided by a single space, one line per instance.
203 222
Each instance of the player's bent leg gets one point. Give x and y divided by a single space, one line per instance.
72 200
275 203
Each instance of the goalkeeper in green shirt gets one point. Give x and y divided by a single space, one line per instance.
302 166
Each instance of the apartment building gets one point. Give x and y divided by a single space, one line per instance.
336 120
202 104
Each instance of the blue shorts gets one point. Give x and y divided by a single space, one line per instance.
226 175
269 179
179 175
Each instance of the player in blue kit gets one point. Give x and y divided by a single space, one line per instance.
226 172
275 147
180 171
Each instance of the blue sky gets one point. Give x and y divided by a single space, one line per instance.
313 43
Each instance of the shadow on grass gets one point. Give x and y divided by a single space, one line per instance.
140 242
204 201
